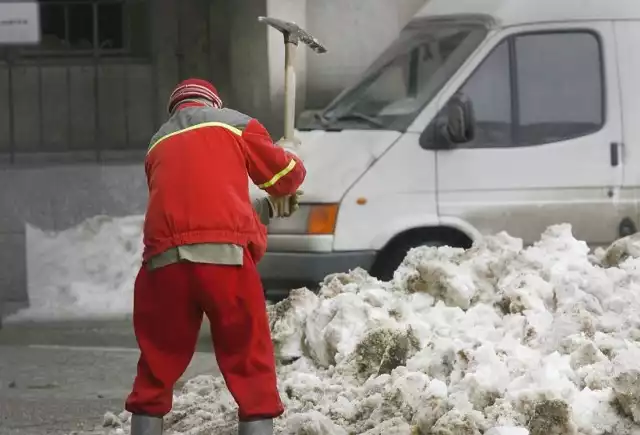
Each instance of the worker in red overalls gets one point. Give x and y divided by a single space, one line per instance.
202 240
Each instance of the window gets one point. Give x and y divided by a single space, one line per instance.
91 27
405 77
489 91
538 88
402 85
560 89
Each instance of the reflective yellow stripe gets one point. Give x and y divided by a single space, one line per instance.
232 129
279 175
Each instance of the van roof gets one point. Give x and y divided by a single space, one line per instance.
513 12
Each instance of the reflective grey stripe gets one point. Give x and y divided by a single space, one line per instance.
192 116
207 253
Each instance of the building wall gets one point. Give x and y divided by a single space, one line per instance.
75 107
65 110
73 131
55 198
86 104
248 58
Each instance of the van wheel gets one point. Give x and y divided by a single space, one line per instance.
392 256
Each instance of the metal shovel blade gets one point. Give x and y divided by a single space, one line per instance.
293 33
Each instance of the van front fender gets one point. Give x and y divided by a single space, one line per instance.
410 223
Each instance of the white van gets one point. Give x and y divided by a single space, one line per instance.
483 116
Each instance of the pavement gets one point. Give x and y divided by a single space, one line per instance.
59 378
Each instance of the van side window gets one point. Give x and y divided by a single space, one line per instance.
560 86
489 91
534 89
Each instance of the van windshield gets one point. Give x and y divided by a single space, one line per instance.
394 90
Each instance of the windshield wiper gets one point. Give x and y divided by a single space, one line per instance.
325 123
357 115
321 119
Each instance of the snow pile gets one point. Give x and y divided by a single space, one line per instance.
619 251
494 340
84 272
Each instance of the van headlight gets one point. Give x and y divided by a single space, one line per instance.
309 219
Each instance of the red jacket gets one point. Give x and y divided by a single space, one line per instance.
197 167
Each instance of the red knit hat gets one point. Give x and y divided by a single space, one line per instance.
194 88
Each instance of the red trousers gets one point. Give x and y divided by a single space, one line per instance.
169 303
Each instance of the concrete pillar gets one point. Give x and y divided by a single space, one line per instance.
164 46
194 38
220 47
204 42
248 59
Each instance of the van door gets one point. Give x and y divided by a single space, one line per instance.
547 139
627 37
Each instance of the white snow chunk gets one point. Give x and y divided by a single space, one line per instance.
507 430
86 271
498 339
313 423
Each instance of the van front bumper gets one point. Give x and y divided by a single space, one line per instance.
283 271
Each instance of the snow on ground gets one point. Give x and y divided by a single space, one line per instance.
84 272
495 340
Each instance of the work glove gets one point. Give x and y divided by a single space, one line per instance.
284 206
292 145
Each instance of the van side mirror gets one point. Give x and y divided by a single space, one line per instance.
460 123
454 125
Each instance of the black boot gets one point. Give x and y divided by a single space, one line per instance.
255 427
146 425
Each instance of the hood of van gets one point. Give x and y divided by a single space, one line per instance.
336 159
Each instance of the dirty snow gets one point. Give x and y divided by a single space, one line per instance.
84 272
495 340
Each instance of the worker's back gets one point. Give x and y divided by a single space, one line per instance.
197 174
